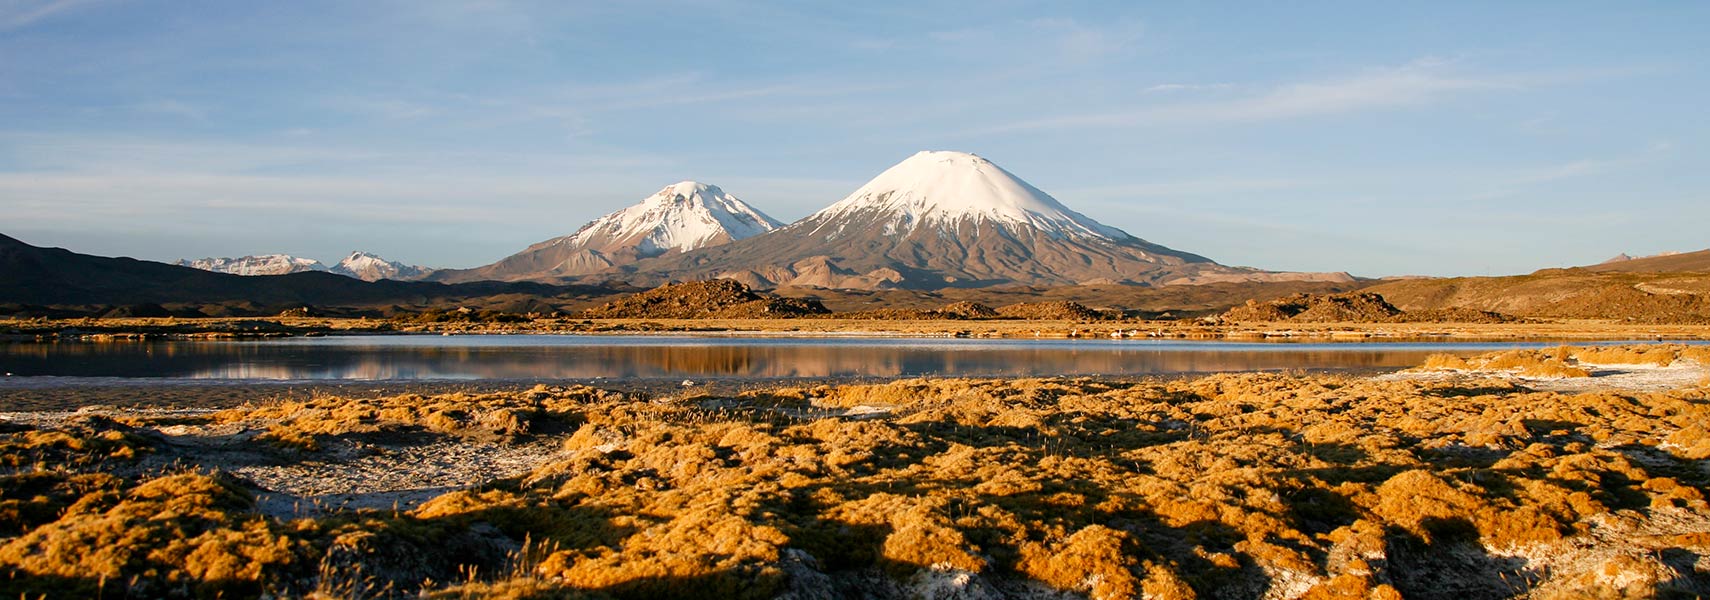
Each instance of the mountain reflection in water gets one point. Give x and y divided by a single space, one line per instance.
586 357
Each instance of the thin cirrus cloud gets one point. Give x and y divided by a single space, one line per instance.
1168 88
1418 83
1057 41
23 13
1655 151
573 105
46 200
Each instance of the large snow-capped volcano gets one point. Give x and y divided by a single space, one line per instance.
947 191
682 217
945 219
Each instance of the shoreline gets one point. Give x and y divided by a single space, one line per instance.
249 329
69 395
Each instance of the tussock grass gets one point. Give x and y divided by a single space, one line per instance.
1174 489
1527 363
301 424
1570 361
184 534
1661 356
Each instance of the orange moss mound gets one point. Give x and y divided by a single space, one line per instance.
1223 486
1570 361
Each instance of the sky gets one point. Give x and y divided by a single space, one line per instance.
1378 138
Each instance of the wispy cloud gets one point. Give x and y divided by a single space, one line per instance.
390 108
1170 88
1175 189
872 44
76 153
1080 42
173 108
701 88
576 106
1418 83
15 14
1059 41
1512 183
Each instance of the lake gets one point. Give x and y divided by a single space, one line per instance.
547 357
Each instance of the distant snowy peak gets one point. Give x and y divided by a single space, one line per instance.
264 264
360 265
369 267
946 190
1624 257
684 216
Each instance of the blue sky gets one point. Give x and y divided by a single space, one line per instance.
1436 138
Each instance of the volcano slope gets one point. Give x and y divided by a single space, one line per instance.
682 217
1229 486
1632 297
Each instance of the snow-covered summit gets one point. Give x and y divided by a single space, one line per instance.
262 264
683 216
945 189
368 267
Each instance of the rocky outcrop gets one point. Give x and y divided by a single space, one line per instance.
712 299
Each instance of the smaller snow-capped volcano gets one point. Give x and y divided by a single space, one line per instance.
369 267
682 217
262 264
946 190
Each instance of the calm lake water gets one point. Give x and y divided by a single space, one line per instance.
523 357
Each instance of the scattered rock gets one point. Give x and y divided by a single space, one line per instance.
712 299
1050 311
955 311
1351 307
968 310
137 311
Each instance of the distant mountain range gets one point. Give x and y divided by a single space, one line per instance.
935 220
32 275
262 264
360 265
1666 262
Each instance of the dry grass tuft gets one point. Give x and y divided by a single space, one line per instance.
1569 361
1557 363
1661 356
170 535
1536 363
1211 487
1092 561
304 424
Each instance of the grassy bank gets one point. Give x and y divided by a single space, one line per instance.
253 328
